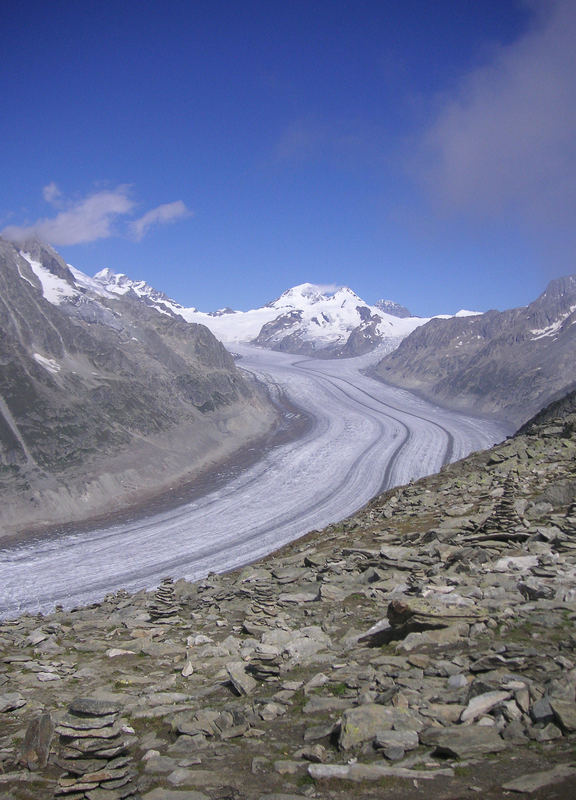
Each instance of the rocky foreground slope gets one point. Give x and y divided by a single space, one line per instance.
423 648
505 364
103 399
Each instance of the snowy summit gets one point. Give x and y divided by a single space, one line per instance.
329 321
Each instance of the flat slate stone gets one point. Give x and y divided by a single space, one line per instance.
527 784
36 746
91 707
372 772
240 679
565 713
105 794
89 733
482 704
160 764
174 794
541 711
321 703
11 701
407 740
86 723
298 597
462 741
361 724
193 777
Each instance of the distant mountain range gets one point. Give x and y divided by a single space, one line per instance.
507 364
110 389
327 322
103 399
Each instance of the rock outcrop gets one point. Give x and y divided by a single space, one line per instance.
423 648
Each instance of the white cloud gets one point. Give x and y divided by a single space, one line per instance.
167 212
506 142
51 192
97 216
87 220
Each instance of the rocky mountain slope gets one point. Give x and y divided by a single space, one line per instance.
424 648
102 399
507 364
391 307
327 322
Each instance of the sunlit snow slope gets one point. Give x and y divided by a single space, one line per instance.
366 436
305 318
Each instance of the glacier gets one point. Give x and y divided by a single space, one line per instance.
366 437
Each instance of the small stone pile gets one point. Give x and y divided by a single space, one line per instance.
94 750
263 600
504 518
164 607
265 663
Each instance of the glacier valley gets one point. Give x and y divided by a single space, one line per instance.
366 437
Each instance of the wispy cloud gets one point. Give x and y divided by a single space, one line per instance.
167 212
97 216
51 192
506 142
84 221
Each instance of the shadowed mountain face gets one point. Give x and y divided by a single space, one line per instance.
508 364
94 385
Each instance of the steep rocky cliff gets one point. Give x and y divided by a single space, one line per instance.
508 364
102 398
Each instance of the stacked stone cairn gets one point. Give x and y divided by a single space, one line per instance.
94 750
164 607
266 663
264 600
504 518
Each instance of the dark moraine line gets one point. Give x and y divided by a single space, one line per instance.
450 446
168 565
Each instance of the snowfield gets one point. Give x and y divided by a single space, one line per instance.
366 437
321 316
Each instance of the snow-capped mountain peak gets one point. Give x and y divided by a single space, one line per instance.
310 293
307 318
118 283
326 320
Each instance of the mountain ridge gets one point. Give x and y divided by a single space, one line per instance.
308 319
508 364
103 398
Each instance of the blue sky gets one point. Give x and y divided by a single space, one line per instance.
224 151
